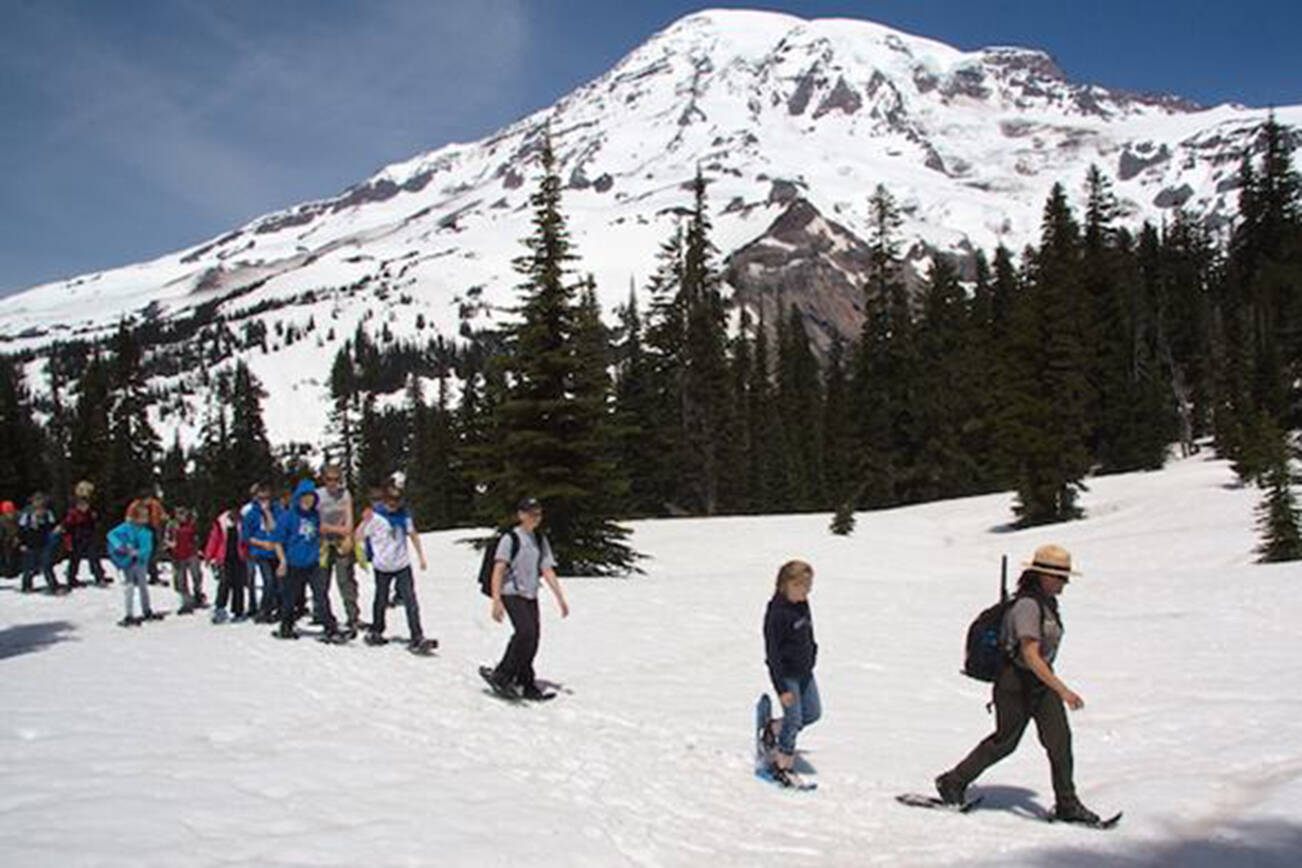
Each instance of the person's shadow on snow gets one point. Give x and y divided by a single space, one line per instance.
1004 798
26 638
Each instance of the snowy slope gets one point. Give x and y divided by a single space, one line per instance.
769 106
185 744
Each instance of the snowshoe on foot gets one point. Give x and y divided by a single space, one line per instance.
375 640
534 694
130 621
421 645
154 616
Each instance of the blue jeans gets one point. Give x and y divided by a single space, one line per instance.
805 710
135 578
266 567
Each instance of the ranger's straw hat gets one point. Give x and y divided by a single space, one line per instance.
1052 560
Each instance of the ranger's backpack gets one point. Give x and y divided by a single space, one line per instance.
985 655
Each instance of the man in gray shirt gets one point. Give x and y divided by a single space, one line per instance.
516 580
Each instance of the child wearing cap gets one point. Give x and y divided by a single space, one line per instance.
523 561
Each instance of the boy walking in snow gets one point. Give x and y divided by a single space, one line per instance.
387 530
523 559
298 547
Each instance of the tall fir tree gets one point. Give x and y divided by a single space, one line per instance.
705 395
134 446
1047 426
249 450
22 468
550 424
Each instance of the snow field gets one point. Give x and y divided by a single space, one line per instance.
186 744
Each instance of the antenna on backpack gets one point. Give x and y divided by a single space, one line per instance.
1003 580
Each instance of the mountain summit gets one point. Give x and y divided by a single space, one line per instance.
793 122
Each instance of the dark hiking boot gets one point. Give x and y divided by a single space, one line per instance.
130 622
498 684
376 639
951 790
286 632
1072 811
185 610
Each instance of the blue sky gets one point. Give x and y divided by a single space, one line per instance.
131 128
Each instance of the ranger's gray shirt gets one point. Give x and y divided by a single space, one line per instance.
523 573
1023 621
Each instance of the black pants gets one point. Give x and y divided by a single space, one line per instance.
292 587
230 587
406 589
153 556
1021 697
85 552
517 663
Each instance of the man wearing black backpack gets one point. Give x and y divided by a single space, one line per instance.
522 557
1027 689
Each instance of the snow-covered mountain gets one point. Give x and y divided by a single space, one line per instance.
794 122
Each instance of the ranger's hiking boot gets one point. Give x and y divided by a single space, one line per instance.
1072 811
952 791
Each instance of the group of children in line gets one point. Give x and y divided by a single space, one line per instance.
268 551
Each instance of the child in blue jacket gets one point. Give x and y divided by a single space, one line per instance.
298 546
130 547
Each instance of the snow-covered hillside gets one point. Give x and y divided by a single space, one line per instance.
186 744
777 111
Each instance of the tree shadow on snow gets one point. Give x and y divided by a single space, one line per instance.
26 638
1261 844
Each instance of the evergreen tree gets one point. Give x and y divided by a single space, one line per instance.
134 446
344 412
88 442
249 449
1278 520
640 429
174 476
22 470
838 441
767 482
1047 424
705 395
550 423
800 397
945 400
